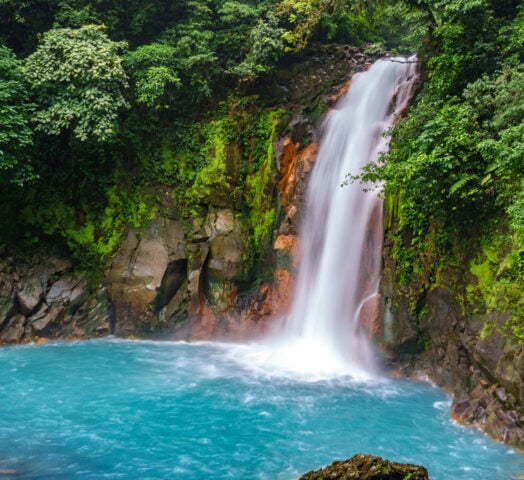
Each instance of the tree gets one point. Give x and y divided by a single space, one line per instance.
15 113
78 81
301 19
155 79
266 47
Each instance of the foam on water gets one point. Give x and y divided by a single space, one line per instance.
301 359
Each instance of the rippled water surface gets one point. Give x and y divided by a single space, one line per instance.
150 410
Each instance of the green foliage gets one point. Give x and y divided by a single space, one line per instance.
78 82
152 69
394 25
92 235
77 14
22 21
455 167
457 158
15 113
211 180
516 215
266 47
500 276
236 20
300 18
195 58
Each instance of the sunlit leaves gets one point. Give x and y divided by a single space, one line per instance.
78 81
300 19
152 68
266 47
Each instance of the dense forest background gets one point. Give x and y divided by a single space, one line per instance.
103 102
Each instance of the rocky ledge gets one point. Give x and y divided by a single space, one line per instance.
42 298
367 467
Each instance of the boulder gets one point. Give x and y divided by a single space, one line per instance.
198 255
14 331
174 239
221 221
173 279
150 263
69 290
44 317
225 257
510 370
488 351
29 294
7 301
136 276
367 467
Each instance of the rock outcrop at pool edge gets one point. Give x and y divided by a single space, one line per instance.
367 467
42 297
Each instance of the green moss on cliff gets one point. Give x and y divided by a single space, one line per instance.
499 285
259 192
93 234
211 181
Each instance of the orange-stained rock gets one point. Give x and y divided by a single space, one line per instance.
291 211
285 242
288 163
308 157
294 163
332 99
282 292
204 328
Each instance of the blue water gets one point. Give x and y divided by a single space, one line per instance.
149 410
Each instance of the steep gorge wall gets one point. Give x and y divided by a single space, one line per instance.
439 325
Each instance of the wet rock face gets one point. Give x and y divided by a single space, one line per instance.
41 298
490 408
367 467
484 370
172 273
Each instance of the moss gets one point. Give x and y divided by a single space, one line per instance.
390 209
260 196
318 114
211 179
500 286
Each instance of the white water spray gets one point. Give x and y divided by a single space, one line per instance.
341 238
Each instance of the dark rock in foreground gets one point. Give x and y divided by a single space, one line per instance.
368 467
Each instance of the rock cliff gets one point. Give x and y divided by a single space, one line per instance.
438 326
42 297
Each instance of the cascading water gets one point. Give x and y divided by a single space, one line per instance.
340 246
341 239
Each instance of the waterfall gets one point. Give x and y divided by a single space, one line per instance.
341 237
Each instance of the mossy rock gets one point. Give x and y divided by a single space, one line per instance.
368 467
